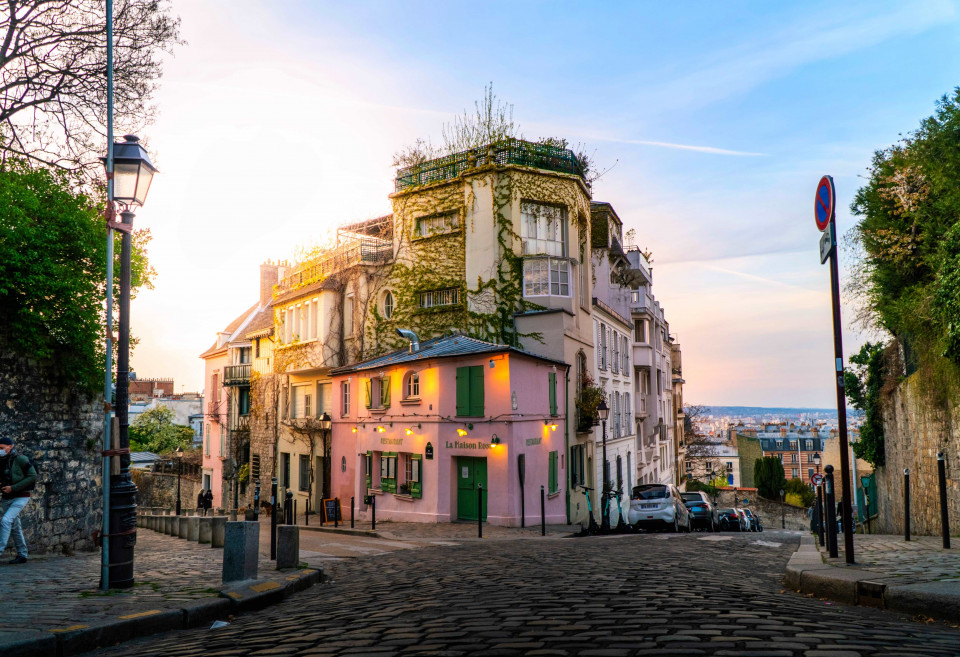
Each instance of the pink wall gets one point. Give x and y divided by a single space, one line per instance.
521 431
213 464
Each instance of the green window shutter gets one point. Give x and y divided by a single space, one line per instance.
552 388
385 391
368 461
388 484
552 474
368 386
463 391
416 489
476 391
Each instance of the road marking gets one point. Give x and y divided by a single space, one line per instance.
235 595
714 538
69 629
266 586
767 543
140 615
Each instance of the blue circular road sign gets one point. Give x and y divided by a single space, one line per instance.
823 205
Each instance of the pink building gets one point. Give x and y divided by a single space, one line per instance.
423 429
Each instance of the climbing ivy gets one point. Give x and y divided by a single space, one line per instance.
863 386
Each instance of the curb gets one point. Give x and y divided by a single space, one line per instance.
806 572
340 530
239 597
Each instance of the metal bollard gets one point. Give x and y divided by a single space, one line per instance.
944 515
273 518
295 512
288 509
479 510
306 516
543 512
256 500
831 513
373 512
351 513
336 513
906 504
820 513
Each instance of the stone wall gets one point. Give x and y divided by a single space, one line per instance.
159 489
768 510
61 429
914 433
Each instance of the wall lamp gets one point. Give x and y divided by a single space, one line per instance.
495 440
552 425
461 432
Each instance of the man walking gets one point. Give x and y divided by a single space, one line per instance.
201 508
17 477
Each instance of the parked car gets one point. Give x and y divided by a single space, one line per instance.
658 506
745 520
754 521
702 512
729 520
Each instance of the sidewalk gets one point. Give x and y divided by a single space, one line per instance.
917 577
52 606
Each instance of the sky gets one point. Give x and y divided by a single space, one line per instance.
712 121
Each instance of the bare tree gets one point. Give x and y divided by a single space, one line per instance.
53 75
699 449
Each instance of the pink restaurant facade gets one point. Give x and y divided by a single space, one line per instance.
421 431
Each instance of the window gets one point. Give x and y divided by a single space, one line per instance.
206 441
576 466
411 386
223 443
794 473
437 224
615 353
378 392
809 458
780 456
542 229
256 344
552 479
627 412
313 318
324 399
599 344
302 401
793 458
793 444
809 444
243 356
243 401
348 316
388 304
345 399
304 472
625 354
709 465
285 472
434 298
809 473
412 484
470 391
603 346
368 469
639 330
546 277
388 472
619 471
615 414
552 391
779 444
729 466
629 480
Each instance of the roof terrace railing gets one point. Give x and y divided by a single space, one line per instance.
508 151
368 250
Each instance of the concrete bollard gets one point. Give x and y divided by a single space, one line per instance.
288 546
184 526
149 521
167 524
218 531
205 530
193 529
155 521
241 551
175 526
233 515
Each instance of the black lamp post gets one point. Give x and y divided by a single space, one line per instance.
132 174
783 517
325 424
603 412
820 520
178 454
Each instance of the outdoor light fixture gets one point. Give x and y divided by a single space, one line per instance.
354 430
409 431
552 425
495 440
816 458
461 432
132 172
603 411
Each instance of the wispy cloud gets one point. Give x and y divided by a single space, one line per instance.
682 147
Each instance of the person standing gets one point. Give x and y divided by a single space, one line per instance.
17 478
201 504
208 501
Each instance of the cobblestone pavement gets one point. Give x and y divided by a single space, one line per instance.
921 559
652 594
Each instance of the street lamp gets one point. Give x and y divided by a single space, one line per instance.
820 519
178 454
816 461
783 517
131 177
325 424
603 412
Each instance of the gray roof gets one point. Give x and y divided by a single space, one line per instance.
143 457
442 347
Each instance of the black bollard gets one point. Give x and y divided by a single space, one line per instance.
543 512
373 512
351 513
336 512
944 515
479 510
820 514
831 512
273 518
288 509
295 512
256 500
906 504
306 516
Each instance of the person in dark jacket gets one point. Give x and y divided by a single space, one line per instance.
200 503
207 501
17 477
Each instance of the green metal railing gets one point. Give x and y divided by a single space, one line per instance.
509 151
236 375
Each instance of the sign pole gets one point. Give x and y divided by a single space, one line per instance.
825 213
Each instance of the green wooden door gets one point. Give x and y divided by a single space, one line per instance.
471 473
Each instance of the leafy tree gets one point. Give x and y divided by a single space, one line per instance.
53 271
155 431
863 390
53 74
800 492
768 476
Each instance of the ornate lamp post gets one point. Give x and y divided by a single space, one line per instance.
603 412
325 424
131 177
820 520
178 454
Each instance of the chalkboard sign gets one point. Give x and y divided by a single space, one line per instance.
330 510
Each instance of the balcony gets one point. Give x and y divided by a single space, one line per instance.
236 375
351 251
240 424
643 355
639 302
213 411
508 151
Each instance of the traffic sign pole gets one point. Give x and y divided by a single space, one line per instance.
825 206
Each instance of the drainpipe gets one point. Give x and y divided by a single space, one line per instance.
566 440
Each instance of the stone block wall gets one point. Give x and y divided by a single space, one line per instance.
768 510
914 432
159 489
61 429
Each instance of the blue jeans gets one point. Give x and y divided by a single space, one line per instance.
10 523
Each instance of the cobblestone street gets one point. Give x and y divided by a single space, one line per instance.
657 594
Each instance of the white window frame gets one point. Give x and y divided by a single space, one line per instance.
437 224
546 277
539 228
437 298
388 304
344 398
411 386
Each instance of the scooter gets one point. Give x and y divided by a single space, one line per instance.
592 528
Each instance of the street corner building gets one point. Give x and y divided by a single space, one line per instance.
449 429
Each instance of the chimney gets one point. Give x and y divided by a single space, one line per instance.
269 276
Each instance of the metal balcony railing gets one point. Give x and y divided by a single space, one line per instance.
236 375
213 411
367 250
508 151
240 423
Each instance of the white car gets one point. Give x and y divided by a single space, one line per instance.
659 506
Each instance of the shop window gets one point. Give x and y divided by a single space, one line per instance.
470 391
388 472
552 391
553 481
412 467
304 472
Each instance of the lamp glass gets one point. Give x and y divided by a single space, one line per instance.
603 411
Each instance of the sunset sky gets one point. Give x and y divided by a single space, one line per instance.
716 120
